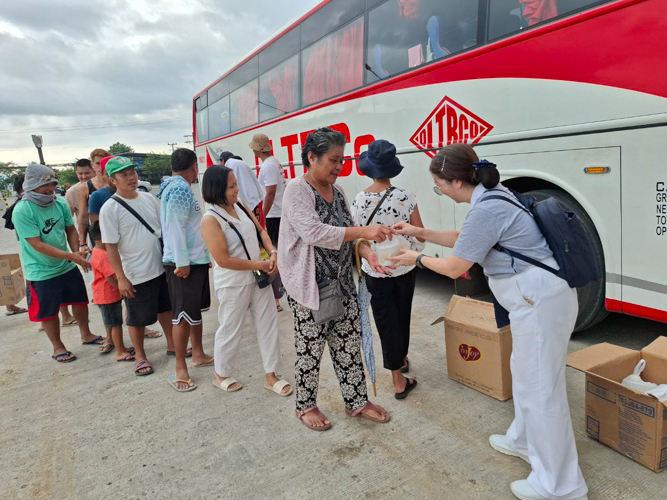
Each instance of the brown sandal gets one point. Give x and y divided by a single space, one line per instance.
369 406
316 410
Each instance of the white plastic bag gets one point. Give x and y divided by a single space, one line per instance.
635 382
390 248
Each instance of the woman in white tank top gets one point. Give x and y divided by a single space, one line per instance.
232 235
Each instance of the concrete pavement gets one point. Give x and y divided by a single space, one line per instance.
91 429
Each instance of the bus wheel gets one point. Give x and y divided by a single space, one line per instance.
592 296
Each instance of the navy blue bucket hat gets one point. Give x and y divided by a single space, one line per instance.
380 161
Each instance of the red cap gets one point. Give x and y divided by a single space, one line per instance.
103 162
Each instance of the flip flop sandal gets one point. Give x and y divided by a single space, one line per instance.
210 363
173 381
188 353
278 388
140 365
69 323
106 348
152 334
406 368
316 410
368 406
127 357
59 357
17 311
408 387
279 309
224 385
97 341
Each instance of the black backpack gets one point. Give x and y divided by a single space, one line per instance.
565 235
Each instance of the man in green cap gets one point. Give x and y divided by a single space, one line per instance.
130 223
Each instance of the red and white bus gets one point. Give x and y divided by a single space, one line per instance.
568 97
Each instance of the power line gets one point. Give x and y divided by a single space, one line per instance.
172 144
91 127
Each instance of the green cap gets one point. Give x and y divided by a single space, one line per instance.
118 163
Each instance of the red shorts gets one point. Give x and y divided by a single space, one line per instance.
45 298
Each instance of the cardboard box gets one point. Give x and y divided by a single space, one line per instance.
12 281
631 423
478 353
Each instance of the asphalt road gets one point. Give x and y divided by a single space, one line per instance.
92 430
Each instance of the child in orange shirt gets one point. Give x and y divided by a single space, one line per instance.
107 297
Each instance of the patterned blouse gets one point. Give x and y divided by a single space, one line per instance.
326 260
398 207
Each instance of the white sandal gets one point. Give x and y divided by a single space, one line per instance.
224 385
278 388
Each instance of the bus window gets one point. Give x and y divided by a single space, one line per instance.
218 90
243 103
202 125
243 74
285 46
510 16
334 14
279 90
335 64
421 31
218 118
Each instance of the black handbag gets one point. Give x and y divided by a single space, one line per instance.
139 218
261 278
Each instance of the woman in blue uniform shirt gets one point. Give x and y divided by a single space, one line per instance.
542 311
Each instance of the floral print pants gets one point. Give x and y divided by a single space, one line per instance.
344 338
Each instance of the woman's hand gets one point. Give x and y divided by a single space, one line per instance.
405 229
273 264
406 258
374 264
264 265
377 233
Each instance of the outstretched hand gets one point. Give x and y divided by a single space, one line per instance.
404 228
375 266
406 258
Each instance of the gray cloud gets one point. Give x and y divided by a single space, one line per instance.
85 62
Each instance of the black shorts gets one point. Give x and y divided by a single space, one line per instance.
190 296
112 314
150 299
273 228
46 297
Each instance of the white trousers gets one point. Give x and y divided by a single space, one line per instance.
543 311
234 303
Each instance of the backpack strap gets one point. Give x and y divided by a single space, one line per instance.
135 213
516 255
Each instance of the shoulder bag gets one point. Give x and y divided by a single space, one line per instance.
331 296
139 218
261 278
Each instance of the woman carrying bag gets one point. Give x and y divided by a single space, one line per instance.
392 292
542 312
316 238
241 278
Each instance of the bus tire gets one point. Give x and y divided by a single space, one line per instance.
591 296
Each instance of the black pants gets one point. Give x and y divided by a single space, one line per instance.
273 228
392 308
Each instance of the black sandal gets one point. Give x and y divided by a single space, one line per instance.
406 368
408 387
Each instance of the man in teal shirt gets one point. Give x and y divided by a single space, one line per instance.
45 227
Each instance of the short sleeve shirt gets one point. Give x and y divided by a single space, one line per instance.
99 198
271 174
103 291
140 250
49 225
496 221
397 207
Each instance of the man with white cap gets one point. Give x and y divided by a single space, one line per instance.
45 228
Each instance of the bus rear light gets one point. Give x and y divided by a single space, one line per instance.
597 170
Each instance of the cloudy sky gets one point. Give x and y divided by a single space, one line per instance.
72 68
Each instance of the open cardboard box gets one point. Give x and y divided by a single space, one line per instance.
12 281
631 423
478 353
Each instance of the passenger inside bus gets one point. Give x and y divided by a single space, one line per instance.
421 31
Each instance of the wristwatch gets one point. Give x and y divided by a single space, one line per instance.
274 251
419 261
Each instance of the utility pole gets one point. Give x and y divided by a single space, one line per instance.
188 140
172 144
38 142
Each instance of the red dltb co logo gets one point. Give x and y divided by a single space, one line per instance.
469 353
449 123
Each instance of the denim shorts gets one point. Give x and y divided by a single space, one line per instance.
112 314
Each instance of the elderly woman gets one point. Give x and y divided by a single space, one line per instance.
315 253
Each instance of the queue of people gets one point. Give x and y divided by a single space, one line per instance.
156 257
